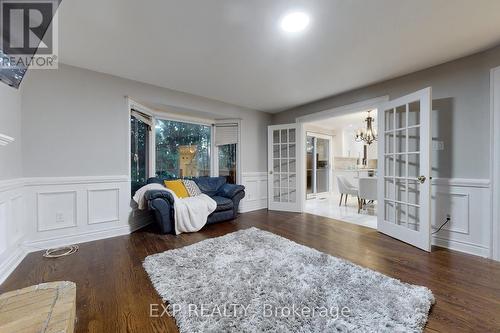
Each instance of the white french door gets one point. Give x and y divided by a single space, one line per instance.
404 165
282 167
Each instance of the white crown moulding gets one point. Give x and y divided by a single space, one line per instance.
4 140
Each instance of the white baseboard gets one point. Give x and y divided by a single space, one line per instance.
53 242
250 206
451 244
9 264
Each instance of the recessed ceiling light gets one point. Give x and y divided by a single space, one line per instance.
295 22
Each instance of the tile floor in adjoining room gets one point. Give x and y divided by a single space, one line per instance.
329 207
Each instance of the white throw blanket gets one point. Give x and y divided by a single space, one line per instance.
190 213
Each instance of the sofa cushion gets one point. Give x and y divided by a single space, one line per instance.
210 185
223 203
178 187
191 187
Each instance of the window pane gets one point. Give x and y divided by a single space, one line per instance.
276 136
401 116
139 152
400 190
227 162
401 214
182 149
389 165
284 136
276 151
389 211
414 113
389 143
291 135
400 166
401 141
389 119
413 192
414 139
389 188
413 218
413 165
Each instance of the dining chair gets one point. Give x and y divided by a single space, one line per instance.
345 187
367 191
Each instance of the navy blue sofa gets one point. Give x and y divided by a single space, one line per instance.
227 196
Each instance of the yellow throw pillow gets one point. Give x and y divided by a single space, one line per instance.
178 187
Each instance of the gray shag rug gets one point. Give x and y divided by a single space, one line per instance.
255 281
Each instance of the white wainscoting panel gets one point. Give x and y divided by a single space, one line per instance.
468 203
103 205
3 227
77 209
12 227
56 210
255 191
16 229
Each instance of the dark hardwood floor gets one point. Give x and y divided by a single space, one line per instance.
114 293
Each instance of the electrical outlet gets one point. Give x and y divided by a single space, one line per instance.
59 217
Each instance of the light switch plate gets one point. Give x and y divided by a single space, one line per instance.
437 145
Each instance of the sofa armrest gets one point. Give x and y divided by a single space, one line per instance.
155 194
230 190
164 215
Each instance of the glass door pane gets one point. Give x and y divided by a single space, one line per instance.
322 165
309 164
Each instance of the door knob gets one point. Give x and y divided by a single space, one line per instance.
270 172
421 179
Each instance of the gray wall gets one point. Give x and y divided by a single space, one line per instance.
10 124
75 122
461 116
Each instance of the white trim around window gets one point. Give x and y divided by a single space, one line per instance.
180 118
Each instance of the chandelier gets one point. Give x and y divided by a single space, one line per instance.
369 134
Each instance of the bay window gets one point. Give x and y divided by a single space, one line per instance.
181 149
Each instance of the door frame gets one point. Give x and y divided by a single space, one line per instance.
373 103
495 162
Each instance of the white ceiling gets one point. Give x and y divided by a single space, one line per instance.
234 51
347 122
